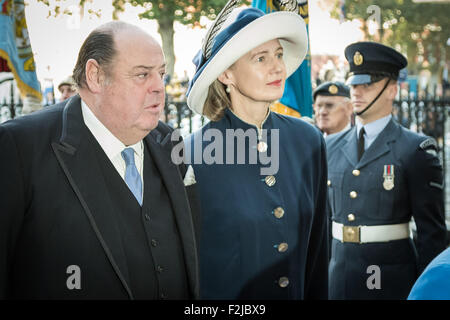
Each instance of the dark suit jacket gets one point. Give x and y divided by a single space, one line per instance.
53 211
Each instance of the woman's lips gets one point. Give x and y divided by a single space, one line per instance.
276 83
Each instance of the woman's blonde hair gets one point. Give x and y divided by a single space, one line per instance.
216 102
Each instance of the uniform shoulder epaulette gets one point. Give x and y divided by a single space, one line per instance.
429 143
430 146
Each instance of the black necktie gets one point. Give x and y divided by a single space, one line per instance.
361 143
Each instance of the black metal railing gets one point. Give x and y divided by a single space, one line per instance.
427 115
177 114
9 107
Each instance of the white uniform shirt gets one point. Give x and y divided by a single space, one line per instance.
372 130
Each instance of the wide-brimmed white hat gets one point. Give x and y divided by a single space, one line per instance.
243 30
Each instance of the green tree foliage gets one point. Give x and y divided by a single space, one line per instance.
419 30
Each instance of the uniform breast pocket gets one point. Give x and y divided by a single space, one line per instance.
392 200
335 191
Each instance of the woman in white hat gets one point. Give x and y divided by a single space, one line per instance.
261 176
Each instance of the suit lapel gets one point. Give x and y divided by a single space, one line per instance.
349 148
75 154
160 148
381 144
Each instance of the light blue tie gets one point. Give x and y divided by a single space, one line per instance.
132 176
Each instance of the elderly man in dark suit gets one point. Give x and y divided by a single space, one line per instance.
91 205
380 176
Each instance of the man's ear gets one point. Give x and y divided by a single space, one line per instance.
226 77
94 76
392 89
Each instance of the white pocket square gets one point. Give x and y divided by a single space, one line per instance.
189 178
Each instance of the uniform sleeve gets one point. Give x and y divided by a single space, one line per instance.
12 204
316 284
426 190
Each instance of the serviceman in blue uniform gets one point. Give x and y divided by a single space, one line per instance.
380 176
332 107
264 223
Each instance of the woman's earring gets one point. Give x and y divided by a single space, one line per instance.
228 90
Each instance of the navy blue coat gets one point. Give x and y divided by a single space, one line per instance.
417 192
240 252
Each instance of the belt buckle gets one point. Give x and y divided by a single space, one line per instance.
351 234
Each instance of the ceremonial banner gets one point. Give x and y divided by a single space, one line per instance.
15 48
297 97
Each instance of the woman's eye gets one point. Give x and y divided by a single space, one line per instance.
280 55
260 59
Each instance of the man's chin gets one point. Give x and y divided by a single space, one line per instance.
323 125
148 126
152 126
359 108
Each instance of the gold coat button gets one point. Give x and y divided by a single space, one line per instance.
356 172
329 183
270 180
278 212
282 247
283 282
353 194
262 146
351 217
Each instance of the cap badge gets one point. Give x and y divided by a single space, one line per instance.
332 89
358 58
